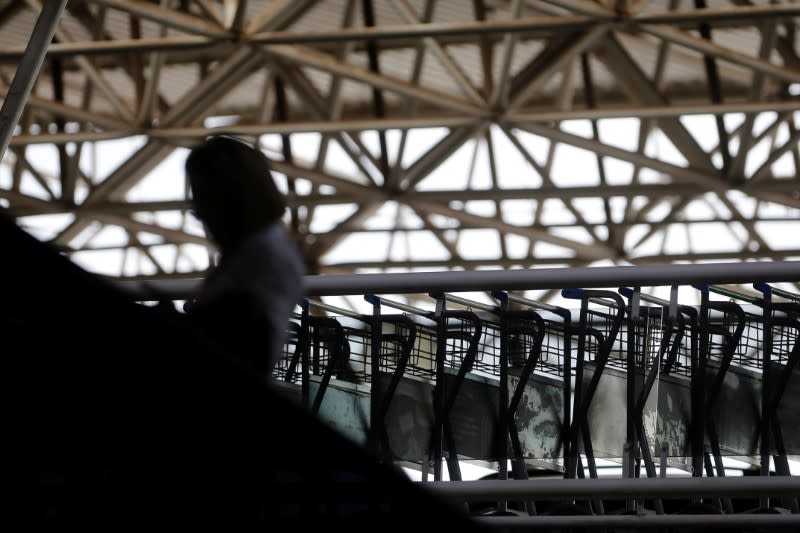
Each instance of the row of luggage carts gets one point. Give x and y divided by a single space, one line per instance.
651 384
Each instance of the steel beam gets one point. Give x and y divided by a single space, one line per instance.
581 250
653 111
720 52
679 173
207 34
632 79
584 7
71 112
558 62
327 63
278 14
169 17
442 55
746 13
28 69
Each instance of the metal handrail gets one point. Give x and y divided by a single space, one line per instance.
519 279
564 489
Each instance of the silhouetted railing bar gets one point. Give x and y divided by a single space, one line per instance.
737 521
554 278
521 279
562 489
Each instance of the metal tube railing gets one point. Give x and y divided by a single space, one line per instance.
555 278
617 488
522 279
697 522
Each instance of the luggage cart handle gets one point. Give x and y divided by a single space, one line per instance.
595 296
377 300
504 297
734 294
763 288
785 294
628 293
725 307
572 294
337 310
671 304
464 301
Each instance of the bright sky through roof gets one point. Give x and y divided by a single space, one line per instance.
468 167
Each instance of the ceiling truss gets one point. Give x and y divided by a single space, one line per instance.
560 132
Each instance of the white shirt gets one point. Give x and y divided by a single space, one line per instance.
268 267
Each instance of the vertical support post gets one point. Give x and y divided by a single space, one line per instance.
633 326
663 458
698 381
766 385
439 390
627 472
630 428
28 69
574 465
376 422
503 412
567 389
305 363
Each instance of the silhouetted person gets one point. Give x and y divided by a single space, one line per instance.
247 299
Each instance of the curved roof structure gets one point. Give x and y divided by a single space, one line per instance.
415 134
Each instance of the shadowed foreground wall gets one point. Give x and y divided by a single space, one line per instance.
144 423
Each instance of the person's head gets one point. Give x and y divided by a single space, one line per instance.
233 192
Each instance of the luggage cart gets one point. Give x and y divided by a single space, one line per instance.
287 366
339 348
553 364
458 334
528 360
328 355
756 358
510 344
661 342
722 324
781 353
291 371
598 329
394 341
717 354
732 352
403 384
444 352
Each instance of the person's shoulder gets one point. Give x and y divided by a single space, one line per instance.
272 241
268 249
270 234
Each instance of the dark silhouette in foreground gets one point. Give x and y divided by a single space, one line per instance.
117 415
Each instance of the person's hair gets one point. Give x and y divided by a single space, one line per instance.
232 189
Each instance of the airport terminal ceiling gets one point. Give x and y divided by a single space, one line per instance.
416 134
